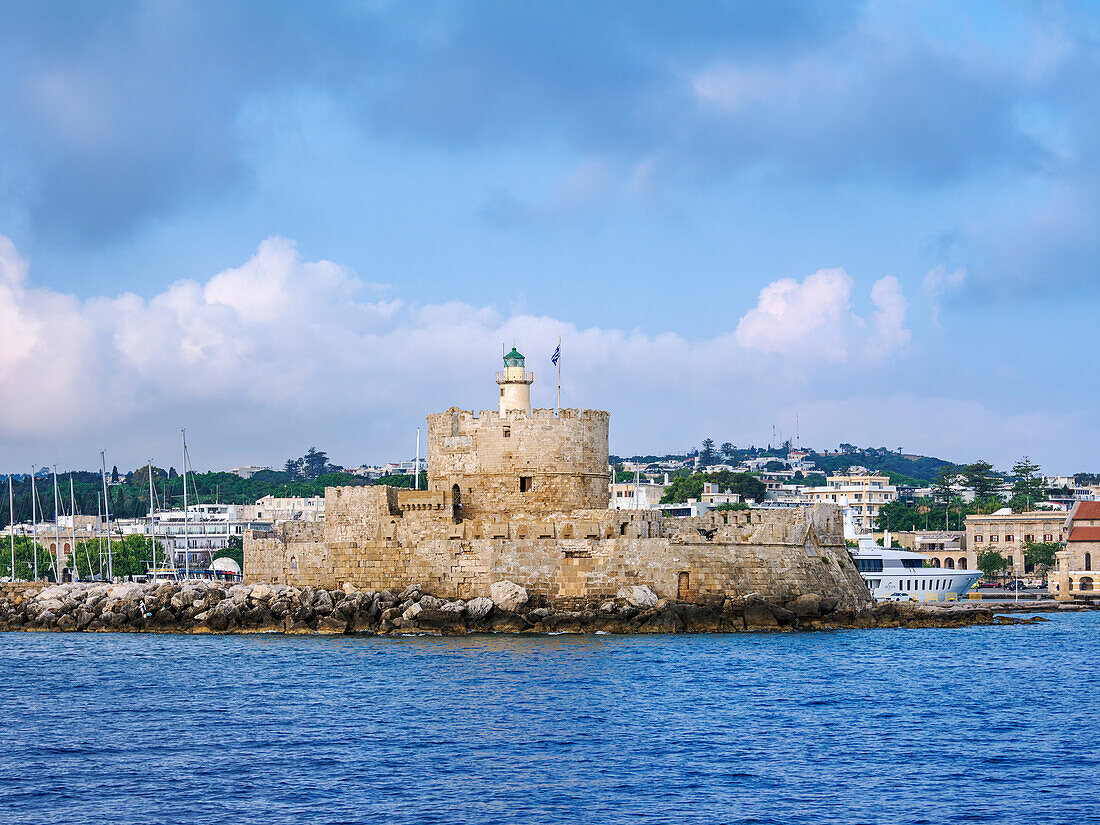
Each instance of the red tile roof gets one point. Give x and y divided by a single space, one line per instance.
1087 510
1084 534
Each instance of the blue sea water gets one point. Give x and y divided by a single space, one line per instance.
985 724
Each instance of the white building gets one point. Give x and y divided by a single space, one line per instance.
860 490
641 495
248 471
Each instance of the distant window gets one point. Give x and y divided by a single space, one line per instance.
507 432
1008 537
1028 537
869 565
1048 537
978 539
524 484
994 538
1088 561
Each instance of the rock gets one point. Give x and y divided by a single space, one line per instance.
391 613
759 615
164 617
503 621
413 591
261 592
430 602
807 606
322 603
446 621
412 612
478 608
608 607
540 613
328 624
454 607
66 623
52 605
349 588
125 592
638 595
507 595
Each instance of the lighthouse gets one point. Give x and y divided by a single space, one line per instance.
515 385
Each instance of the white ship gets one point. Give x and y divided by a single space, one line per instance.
901 575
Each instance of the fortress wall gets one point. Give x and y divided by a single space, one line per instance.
486 455
587 556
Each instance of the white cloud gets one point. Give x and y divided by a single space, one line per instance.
813 320
889 333
262 360
939 283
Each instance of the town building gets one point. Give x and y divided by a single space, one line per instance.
1075 573
862 491
639 495
248 471
1005 532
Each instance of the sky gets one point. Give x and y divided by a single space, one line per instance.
283 225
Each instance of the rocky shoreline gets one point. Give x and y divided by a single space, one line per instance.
202 607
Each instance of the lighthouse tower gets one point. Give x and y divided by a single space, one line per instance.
515 385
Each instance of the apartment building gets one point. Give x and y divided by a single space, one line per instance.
1006 532
863 492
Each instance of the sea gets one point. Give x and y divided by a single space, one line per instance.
981 724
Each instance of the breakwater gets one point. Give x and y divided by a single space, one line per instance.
201 607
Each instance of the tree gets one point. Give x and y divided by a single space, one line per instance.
114 474
979 478
992 563
941 487
1028 487
314 463
172 472
728 450
706 455
293 468
1040 555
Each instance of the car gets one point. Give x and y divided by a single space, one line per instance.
898 596
988 584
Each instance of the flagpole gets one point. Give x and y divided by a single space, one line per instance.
557 410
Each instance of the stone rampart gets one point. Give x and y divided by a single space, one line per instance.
580 556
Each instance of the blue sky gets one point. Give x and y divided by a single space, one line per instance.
293 224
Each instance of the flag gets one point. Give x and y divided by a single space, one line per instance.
557 354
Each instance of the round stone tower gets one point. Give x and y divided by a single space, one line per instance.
519 460
515 385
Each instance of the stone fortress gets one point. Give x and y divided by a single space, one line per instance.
521 495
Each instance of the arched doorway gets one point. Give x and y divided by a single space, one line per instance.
949 564
962 563
1085 583
935 562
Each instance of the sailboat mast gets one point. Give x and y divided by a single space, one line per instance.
107 514
34 522
99 518
186 538
72 506
152 530
11 524
56 530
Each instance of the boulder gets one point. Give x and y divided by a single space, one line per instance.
759 615
638 595
607 607
413 592
322 603
411 612
349 588
454 607
446 621
261 592
430 602
328 624
807 606
507 595
478 608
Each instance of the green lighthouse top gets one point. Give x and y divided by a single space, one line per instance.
513 359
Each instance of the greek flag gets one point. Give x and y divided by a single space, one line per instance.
557 354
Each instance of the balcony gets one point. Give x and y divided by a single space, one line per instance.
515 376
